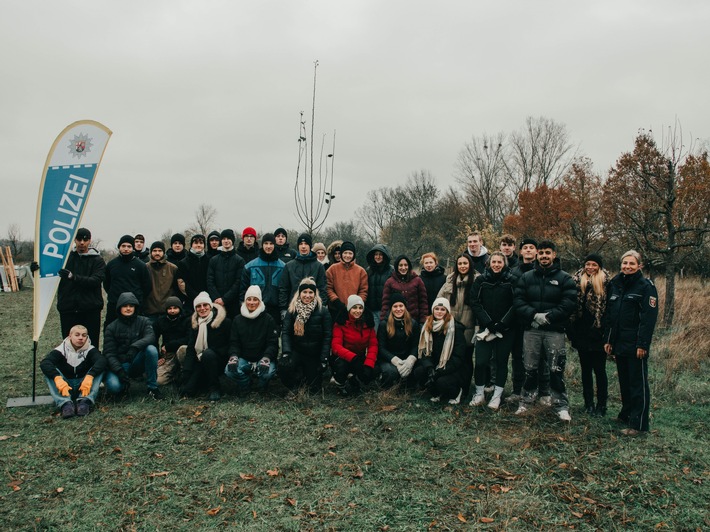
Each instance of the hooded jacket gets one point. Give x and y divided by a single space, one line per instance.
545 290
479 263
172 331
377 275
411 287
212 252
125 337
82 292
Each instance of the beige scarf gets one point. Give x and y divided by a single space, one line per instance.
201 341
426 341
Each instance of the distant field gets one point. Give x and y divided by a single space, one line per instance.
384 461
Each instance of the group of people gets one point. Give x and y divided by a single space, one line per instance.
260 311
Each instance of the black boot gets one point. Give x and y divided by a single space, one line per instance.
589 409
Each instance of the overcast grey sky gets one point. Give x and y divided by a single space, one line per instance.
203 97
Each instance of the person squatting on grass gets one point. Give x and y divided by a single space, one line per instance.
397 341
441 352
253 344
305 340
73 372
129 348
545 298
492 298
632 311
207 346
586 331
354 347
172 330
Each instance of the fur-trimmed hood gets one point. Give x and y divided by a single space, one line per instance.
220 313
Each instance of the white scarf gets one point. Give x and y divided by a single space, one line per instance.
251 315
74 357
426 342
201 341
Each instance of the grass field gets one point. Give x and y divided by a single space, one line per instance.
384 461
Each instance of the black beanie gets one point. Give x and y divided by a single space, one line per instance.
157 244
228 233
177 237
347 246
595 257
528 240
308 282
268 237
281 231
173 301
197 237
397 297
125 239
305 237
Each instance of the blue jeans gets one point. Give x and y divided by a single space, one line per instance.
146 360
245 370
74 393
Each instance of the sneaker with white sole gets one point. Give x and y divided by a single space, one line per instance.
489 389
477 400
564 415
545 400
521 410
456 400
494 403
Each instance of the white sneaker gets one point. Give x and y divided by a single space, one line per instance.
545 400
489 389
494 403
457 399
521 410
564 415
477 400
435 399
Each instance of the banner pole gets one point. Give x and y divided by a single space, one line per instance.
34 372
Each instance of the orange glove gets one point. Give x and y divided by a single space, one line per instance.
85 387
62 385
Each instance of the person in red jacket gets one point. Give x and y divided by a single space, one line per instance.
410 285
354 347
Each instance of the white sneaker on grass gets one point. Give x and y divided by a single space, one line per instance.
477 400
494 403
435 399
564 415
545 400
521 410
456 400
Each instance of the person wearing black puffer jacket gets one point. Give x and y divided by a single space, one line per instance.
433 276
305 339
177 249
545 298
491 299
125 273
224 275
397 340
378 270
631 314
192 270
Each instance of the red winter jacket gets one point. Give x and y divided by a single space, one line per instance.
353 339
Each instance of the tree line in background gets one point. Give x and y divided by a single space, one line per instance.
534 182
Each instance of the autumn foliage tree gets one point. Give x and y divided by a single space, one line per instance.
657 200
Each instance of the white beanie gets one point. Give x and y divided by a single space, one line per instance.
354 300
253 291
202 297
441 302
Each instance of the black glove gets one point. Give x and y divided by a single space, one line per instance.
65 274
368 373
359 360
34 266
285 361
124 379
494 327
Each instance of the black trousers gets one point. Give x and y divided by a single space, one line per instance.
302 369
635 393
593 364
206 373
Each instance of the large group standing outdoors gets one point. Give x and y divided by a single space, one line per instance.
255 312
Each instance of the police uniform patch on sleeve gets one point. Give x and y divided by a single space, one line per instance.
652 301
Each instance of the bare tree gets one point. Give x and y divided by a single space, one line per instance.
14 240
481 171
540 154
205 216
313 194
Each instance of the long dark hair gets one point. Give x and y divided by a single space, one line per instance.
469 281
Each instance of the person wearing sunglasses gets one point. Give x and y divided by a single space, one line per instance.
79 297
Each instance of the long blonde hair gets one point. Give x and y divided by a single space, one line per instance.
597 281
407 318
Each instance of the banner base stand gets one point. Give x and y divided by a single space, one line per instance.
40 400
